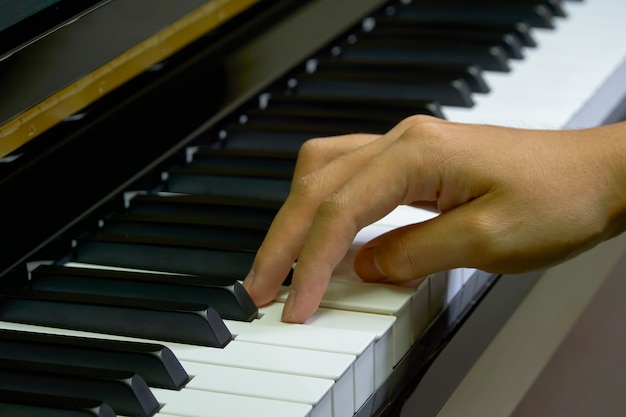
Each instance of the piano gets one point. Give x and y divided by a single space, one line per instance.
145 149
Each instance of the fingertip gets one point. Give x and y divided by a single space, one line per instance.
289 313
306 292
297 309
365 265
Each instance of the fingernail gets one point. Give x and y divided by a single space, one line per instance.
366 267
289 305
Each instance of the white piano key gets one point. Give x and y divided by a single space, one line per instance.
73 264
438 293
346 294
456 282
262 384
404 215
298 335
196 403
356 343
414 306
333 366
423 306
379 325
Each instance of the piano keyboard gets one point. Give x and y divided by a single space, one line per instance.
155 282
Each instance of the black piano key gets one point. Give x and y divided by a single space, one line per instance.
155 363
254 169
520 30
264 184
535 15
241 138
298 118
246 235
249 212
507 41
124 391
276 120
281 161
284 135
491 58
253 155
471 74
159 320
311 127
342 114
554 6
225 295
323 106
159 216
26 404
183 256
445 90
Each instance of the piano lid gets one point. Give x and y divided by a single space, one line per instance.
58 56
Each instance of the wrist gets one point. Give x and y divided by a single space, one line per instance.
610 145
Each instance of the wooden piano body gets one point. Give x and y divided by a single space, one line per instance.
84 131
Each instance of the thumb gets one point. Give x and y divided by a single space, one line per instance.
417 250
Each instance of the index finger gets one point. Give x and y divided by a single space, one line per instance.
289 228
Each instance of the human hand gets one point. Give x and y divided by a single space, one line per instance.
510 200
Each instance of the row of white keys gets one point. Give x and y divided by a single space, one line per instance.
333 367
267 391
381 326
376 299
358 344
198 403
555 80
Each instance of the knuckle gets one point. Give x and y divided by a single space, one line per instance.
333 205
311 156
417 120
335 209
427 132
310 185
311 148
427 129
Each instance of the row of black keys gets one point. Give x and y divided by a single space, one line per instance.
413 61
50 375
409 63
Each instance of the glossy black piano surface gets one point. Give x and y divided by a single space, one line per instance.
181 169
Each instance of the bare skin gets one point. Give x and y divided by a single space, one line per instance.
511 200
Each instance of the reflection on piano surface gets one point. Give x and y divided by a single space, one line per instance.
139 215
